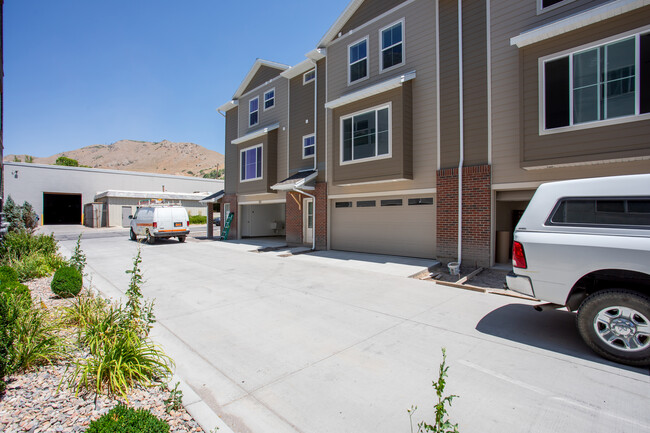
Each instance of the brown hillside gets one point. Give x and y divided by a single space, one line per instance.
185 159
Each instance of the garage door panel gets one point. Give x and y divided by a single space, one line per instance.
399 230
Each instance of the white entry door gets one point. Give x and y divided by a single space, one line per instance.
308 220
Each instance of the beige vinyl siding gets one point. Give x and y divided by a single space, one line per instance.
269 144
449 107
263 74
419 36
367 11
509 19
321 127
302 122
231 155
606 142
400 230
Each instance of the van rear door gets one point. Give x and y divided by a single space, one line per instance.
179 217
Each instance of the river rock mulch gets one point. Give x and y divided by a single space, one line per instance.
34 403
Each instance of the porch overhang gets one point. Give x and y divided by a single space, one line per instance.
255 134
297 180
382 87
213 198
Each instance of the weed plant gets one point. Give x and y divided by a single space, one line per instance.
175 399
78 259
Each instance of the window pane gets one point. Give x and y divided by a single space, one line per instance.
392 56
392 202
243 165
585 68
382 132
358 70
386 38
347 140
254 104
644 74
585 104
620 70
364 135
362 49
253 118
638 206
258 161
343 204
556 93
420 201
366 203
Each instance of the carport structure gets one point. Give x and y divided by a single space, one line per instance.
210 201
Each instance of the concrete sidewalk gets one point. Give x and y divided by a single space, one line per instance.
334 343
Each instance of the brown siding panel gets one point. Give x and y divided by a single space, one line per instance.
264 74
449 119
367 11
301 119
231 155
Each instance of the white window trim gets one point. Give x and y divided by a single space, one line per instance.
596 123
367 59
241 152
541 10
266 93
303 146
304 77
251 112
381 57
390 135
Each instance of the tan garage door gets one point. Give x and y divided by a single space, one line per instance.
391 228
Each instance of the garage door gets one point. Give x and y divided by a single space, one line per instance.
61 208
404 226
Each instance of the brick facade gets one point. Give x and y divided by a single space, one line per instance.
294 217
232 199
476 215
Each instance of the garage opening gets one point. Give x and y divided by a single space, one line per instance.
510 206
262 220
61 208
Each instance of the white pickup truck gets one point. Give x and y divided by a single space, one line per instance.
585 245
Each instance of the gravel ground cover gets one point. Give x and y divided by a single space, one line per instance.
34 403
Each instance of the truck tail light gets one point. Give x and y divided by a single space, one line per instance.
155 225
518 255
188 224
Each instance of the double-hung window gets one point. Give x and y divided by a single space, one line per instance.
358 60
392 46
251 163
269 99
366 135
603 84
308 145
254 111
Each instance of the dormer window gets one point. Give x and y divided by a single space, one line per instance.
392 46
358 61
254 111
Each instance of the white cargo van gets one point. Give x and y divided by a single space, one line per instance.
160 220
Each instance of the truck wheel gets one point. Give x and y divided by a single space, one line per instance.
132 235
615 323
150 238
181 239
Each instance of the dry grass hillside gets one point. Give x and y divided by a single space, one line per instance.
185 159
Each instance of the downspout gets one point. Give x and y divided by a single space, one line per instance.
461 132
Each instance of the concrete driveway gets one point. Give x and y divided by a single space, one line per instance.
337 342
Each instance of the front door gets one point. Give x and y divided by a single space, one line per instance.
126 213
308 220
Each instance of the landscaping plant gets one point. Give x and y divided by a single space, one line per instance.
31 256
78 259
20 217
67 282
442 423
198 219
175 399
123 419
139 312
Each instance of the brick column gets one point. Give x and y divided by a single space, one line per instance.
232 199
476 215
293 218
320 215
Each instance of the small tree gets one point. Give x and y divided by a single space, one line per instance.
13 215
29 217
78 259
29 159
65 161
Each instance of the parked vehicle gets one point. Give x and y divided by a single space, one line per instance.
585 245
160 220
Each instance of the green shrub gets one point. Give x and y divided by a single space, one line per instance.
67 282
198 219
122 419
31 256
20 217
7 275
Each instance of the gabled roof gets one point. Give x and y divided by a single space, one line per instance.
339 23
251 74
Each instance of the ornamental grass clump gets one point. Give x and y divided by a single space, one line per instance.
123 419
67 282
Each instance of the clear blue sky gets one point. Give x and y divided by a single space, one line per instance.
83 72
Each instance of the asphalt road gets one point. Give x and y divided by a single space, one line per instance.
333 342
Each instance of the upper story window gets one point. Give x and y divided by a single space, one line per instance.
366 135
601 85
251 163
309 76
308 145
269 99
392 46
358 60
254 111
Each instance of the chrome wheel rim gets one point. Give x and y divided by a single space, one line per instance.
623 328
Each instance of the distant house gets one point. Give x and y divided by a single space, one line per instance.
360 146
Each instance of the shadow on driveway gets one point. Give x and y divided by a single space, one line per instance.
553 330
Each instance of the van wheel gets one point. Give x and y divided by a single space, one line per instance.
181 239
615 323
150 238
132 235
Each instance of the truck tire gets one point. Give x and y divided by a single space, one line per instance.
151 239
132 235
181 239
615 323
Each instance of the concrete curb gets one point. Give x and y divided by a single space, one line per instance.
195 406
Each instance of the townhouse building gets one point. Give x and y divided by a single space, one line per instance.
423 127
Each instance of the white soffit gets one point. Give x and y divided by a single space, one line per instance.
228 105
256 66
577 21
255 134
340 22
382 87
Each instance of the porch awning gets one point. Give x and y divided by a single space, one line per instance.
213 198
298 180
